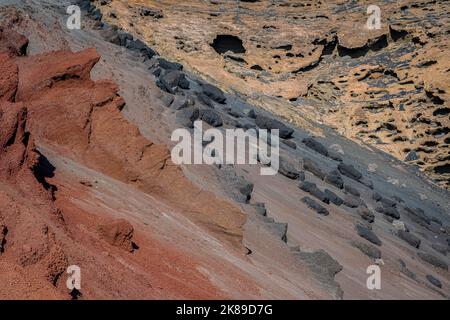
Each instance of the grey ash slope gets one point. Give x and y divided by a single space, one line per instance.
338 247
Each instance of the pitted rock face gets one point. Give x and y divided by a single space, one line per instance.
387 87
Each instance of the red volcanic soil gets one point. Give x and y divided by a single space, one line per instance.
51 218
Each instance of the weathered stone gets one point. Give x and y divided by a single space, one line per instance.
433 260
368 249
312 204
367 234
411 239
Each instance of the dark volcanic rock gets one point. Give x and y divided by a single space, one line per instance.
3 232
367 182
333 197
213 93
118 233
313 167
280 230
251 114
238 188
388 211
368 249
307 186
291 144
419 216
366 214
433 260
288 170
211 117
312 204
163 63
352 201
334 178
367 234
387 202
315 145
442 249
334 155
406 271
411 239
264 122
312 189
376 196
174 79
324 267
434 281
140 47
187 116
349 171
352 190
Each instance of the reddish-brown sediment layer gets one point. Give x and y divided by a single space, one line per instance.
50 219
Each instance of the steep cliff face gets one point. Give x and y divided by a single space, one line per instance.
317 59
86 177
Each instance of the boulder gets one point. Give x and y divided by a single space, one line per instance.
174 79
385 202
388 211
434 281
163 63
368 249
291 144
406 271
419 216
211 117
182 102
118 233
139 47
311 166
288 170
352 201
186 117
213 93
279 229
352 190
366 214
264 122
349 171
433 260
315 145
3 232
323 267
260 208
312 189
367 234
334 178
366 182
333 197
251 114
238 188
442 249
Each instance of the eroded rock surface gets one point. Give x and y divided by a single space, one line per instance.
387 87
